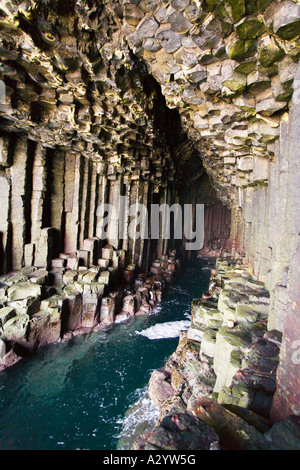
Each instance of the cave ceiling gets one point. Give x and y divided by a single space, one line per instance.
162 89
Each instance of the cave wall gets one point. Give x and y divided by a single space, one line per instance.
270 226
84 120
267 232
231 69
79 128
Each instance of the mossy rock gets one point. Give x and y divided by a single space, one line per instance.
290 31
238 9
196 303
242 50
257 87
246 67
285 96
269 71
237 338
294 51
236 358
230 11
207 59
213 323
16 327
221 53
258 329
253 7
191 371
226 28
237 84
210 315
193 348
247 397
227 340
222 13
210 334
244 313
270 54
209 5
238 395
250 29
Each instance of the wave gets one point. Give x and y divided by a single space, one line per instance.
165 330
140 417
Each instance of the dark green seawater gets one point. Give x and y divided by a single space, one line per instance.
91 392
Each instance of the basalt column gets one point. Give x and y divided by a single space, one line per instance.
179 102
231 69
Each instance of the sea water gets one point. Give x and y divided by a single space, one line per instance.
91 392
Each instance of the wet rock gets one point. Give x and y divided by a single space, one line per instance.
253 419
90 309
72 310
44 328
266 348
14 353
256 380
160 388
128 305
234 367
107 310
181 431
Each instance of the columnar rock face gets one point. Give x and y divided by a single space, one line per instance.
220 382
83 124
180 101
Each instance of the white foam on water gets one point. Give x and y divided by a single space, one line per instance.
141 416
122 319
165 330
